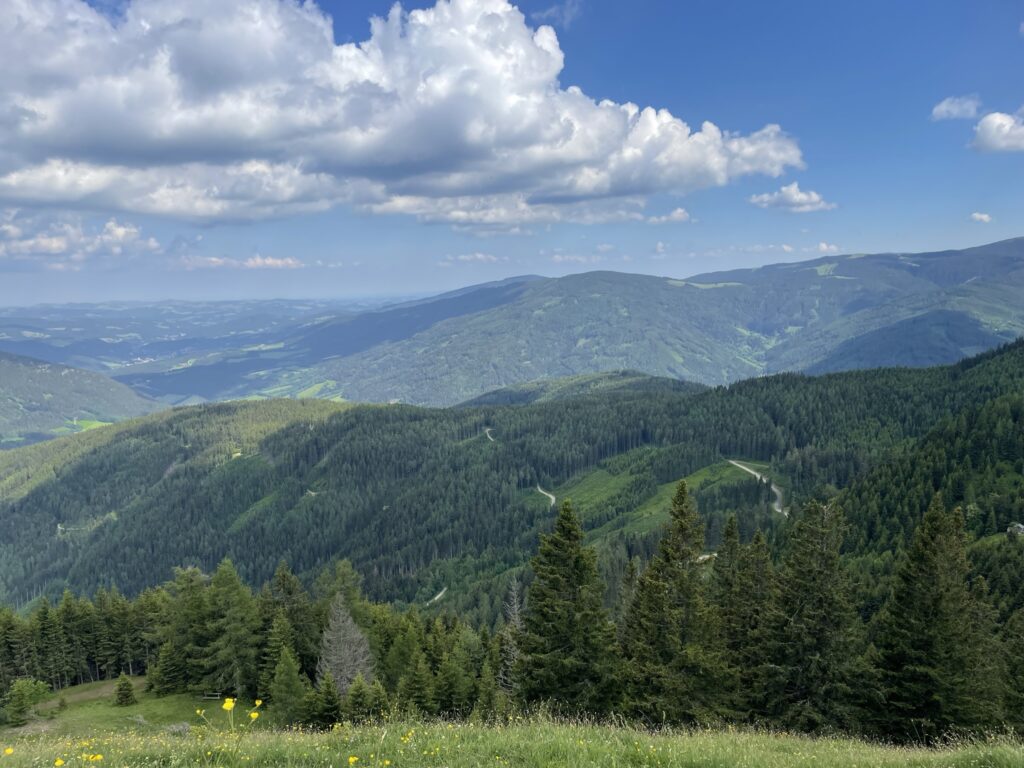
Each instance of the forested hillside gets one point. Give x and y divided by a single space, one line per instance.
39 400
422 500
839 312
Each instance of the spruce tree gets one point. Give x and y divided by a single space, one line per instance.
676 670
931 653
281 636
231 656
171 672
567 645
486 707
1013 651
753 600
288 690
124 692
327 708
813 642
358 704
416 689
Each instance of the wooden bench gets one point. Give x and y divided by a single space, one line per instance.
211 696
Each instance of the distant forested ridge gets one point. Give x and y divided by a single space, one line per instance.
421 500
40 400
838 312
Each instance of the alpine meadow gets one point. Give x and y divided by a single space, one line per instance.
531 383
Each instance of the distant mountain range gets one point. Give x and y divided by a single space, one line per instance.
835 313
41 400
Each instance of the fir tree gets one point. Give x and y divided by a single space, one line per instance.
931 653
124 692
676 671
288 690
231 656
327 707
171 672
568 643
281 637
1013 645
746 626
358 705
491 702
813 643
416 689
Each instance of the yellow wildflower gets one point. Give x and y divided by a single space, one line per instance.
58 762
259 702
352 759
228 705
253 715
9 751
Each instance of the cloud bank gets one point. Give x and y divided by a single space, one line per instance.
245 109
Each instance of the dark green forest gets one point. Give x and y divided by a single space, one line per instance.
680 605
422 499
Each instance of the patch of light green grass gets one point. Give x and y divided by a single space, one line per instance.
518 743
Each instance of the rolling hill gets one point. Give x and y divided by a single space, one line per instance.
834 313
423 499
41 400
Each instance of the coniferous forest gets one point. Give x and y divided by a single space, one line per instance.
306 547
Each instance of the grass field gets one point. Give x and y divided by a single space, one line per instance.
153 733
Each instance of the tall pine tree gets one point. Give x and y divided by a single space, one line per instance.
932 653
567 647
815 666
675 669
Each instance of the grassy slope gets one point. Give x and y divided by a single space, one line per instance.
92 725
591 491
40 400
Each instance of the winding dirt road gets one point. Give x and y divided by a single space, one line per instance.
549 495
777 506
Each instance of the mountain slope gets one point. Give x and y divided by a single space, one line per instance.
40 400
834 313
422 499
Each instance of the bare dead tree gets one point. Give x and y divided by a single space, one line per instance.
344 649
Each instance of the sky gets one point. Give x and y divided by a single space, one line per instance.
158 149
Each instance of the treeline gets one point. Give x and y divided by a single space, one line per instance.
735 638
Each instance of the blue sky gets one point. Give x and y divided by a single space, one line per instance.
160 149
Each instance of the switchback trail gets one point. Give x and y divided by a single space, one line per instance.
777 506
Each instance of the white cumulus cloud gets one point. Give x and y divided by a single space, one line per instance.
679 215
792 198
1000 132
67 242
248 108
957 108
824 247
983 218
